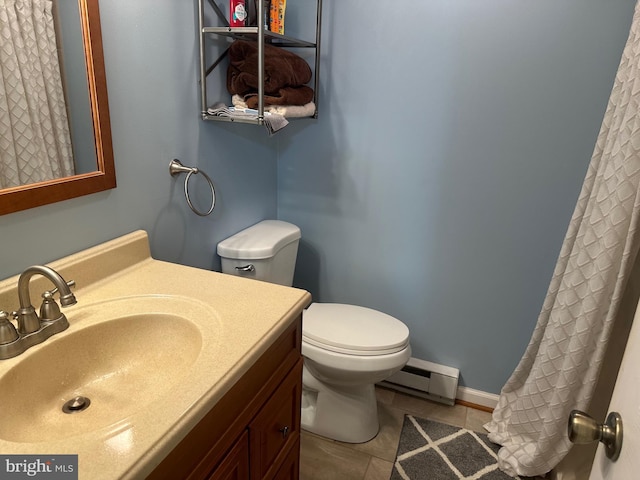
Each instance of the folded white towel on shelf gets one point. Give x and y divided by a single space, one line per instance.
291 111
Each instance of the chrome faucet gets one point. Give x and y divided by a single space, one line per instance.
31 329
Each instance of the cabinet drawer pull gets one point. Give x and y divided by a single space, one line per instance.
285 431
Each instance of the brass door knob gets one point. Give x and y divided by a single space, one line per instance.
584 429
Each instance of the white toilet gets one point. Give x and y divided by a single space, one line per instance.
346 348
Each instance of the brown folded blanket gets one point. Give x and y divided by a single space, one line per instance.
285 96
281 68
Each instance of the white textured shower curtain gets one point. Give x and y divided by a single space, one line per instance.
561 364
35 144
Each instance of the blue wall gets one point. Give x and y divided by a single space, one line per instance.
436 185
439 180
151 57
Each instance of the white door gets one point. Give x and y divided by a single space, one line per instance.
625 401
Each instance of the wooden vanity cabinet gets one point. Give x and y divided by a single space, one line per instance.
253 432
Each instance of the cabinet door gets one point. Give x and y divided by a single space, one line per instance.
276 429
235 466
290 468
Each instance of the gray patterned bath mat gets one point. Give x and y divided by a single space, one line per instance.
430 450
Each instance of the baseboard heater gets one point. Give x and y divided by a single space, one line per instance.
427 380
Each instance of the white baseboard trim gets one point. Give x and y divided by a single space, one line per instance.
478 397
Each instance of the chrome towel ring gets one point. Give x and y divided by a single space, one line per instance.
176 168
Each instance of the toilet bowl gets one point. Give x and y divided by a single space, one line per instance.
346 348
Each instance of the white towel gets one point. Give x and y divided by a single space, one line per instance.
291 111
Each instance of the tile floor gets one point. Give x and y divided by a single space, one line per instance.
327 459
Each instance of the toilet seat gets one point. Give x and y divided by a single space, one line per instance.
353 330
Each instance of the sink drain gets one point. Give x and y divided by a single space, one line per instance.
76 404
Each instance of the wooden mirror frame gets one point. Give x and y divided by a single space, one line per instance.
23 197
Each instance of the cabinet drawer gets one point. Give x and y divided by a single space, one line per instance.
276 429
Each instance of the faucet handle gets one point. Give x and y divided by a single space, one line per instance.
8 332
49 310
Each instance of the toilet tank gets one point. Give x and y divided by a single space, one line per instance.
266 251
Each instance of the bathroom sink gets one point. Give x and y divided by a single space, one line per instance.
121 355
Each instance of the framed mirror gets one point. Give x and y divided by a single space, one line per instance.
31 195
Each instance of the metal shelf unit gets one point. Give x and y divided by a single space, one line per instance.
261 35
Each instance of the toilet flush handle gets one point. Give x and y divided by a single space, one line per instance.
246 268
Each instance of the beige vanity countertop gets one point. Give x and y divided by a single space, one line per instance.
246 317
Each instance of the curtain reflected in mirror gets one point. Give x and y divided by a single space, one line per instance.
55 133
35 138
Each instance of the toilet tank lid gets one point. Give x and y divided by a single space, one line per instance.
262 240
